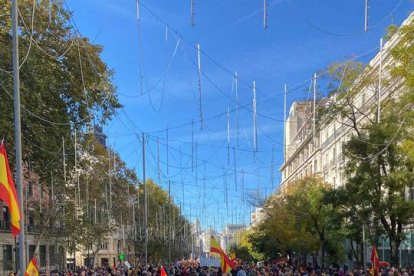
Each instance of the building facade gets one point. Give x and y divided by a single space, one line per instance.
315 147
37 200
230 235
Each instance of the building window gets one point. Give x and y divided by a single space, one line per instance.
103 246
316 165
42 253
362 99
5 223
32 249
7 257
52 255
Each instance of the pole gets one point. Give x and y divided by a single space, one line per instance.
145 202
192 11
379 84
169 222
254 118
366 15
265 14
314 109
284 121
237 107
17 135
364 261
110 183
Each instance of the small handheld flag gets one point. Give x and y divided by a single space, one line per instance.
32 268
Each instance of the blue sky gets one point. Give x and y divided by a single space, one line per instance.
157 83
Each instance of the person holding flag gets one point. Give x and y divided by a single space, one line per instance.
225 262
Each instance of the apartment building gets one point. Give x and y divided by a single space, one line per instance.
37 199
315 145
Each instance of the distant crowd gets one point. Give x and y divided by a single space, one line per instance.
193 268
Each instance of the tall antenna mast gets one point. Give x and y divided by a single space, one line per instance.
199 86
192 146
167 149
235 168
284 123
196 162
265 5
366 28
192 12
138 11
145 201
236 78
228 136
314 109
158 159
254 118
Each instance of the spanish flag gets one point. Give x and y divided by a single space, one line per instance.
8 192
32 268
375 261
226 263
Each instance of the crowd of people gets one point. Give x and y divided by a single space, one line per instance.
193 268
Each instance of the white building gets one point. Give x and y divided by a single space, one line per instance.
230 235
315 147
256 216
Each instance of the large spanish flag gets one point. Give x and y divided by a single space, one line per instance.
8 192
32 268
226 263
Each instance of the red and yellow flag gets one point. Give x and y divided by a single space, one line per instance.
375 261
32 268
226 263
163 273
8 192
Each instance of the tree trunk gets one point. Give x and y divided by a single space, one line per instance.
395 245
354 252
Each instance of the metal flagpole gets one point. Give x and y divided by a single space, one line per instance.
17 135
145 201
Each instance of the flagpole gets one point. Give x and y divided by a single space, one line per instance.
17 135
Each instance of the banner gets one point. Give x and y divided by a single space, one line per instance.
209 262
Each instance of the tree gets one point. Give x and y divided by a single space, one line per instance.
379 167
168 229
307 199
64 83
299 222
